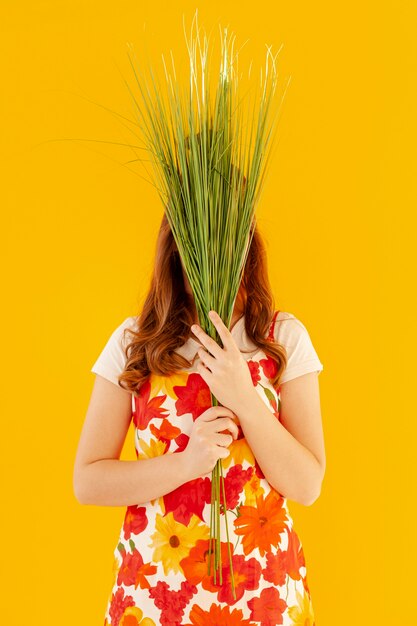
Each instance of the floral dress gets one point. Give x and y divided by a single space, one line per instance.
161 556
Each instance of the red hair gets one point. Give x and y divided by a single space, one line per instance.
164 323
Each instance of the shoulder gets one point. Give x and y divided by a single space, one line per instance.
119 334
291 333
288 328
112 358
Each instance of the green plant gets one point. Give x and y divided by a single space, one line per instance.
210 168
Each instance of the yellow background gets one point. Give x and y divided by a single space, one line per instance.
78 237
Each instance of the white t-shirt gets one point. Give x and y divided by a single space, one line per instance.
289 331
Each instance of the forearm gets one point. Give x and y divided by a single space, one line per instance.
114 482
287 465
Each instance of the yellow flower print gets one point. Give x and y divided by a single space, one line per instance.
132 616
253 489
116 567
239 452
302 614
165 384
173 541
155 448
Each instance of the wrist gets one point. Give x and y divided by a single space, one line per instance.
183 467
248 405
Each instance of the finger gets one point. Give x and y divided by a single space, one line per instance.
224 333
205 373
216 412
233 431
223 439
206 358
207 341
223 424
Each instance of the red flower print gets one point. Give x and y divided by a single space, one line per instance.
261 525
119 602
254 371
268 608
171 603
258 470
182 442
194 397
146 408
295 555
187 499
275 571
246 576
217 616
135 520
234 481
269 366
133 570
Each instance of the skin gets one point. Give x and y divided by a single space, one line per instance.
290 451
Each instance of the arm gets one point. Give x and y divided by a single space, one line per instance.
99 477
291 454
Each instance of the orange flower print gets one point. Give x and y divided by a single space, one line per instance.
135 520
147 409
166 432
133 570
246 576
194 397
247 573
267 610
302 613
195 565
261 525
188 499
295 555
217 616
133 616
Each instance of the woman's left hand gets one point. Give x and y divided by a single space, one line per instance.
224 369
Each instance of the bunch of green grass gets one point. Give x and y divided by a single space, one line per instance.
210 168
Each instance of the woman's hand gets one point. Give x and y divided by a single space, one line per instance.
209 441
224 369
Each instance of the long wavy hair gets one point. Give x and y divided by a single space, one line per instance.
164 323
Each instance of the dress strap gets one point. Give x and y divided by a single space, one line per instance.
271 328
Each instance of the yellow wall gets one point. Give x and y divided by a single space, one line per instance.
77 244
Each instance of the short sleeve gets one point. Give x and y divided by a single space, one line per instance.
302 357
111 361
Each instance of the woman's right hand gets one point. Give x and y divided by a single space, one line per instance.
207 442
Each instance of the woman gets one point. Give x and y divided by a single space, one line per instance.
158 370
